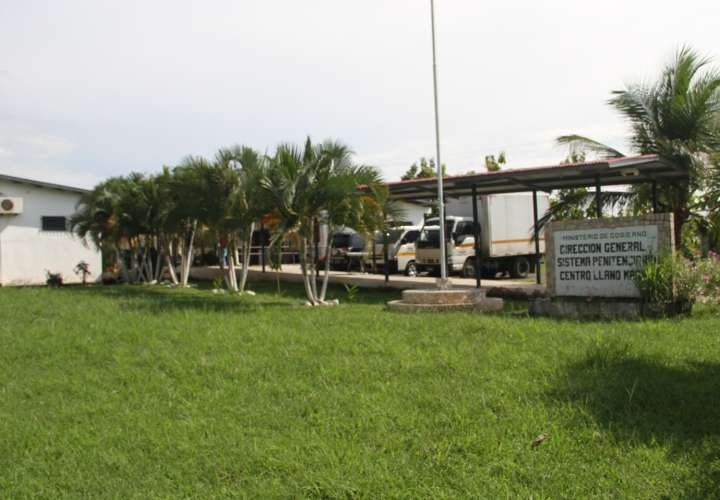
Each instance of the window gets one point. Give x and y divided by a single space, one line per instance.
412 236
464 228
54 223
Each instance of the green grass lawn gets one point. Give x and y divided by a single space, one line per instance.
142 392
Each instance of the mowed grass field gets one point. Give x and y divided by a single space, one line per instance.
148 392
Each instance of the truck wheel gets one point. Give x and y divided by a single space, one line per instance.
411 269
468 270
520 267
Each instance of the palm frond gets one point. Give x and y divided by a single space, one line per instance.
579 144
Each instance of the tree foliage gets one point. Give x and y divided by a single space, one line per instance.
153 223
678 118
493 164
423 169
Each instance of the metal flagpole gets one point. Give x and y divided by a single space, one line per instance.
441 198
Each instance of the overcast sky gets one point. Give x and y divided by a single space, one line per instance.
95 88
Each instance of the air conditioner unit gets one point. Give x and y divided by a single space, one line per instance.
10 206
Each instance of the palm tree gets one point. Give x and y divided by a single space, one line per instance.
239 202
192 201
309 187
289 183
380 213
95 219
677 118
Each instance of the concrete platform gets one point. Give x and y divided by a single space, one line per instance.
473 300
291 274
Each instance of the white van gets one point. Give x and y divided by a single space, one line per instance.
401 250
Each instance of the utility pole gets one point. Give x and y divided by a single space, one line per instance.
441 197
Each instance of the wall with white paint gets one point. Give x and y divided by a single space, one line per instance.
414 214
27 252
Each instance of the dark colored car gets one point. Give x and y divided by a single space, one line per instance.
344 245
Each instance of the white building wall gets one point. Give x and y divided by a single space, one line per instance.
414 213
27 252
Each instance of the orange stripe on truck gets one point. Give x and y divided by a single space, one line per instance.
529 240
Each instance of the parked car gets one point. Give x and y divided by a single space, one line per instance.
347 250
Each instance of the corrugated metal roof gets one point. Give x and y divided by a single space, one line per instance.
608 172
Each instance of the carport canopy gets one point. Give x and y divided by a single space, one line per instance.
649 169
608 172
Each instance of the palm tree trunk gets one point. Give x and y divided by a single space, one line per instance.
232 276
313 259
326 275
170 264
158 263
187 264
121 263
220 252
133 262
304 271
246 250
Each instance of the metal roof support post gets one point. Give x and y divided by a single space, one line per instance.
476 235
654 197
598 201
536 231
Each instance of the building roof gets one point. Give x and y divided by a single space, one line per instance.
42 184
606 172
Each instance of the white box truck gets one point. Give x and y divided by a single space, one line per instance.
506 236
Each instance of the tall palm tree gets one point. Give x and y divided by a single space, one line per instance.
244 203
315 185
677 118
192 202
95 219
290 184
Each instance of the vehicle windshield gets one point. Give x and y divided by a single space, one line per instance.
393 236
430 235
449 226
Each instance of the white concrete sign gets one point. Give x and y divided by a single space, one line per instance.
602 262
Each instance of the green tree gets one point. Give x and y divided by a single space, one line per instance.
423 169
493 164
242 204
315 185
192 205
677 118
95 220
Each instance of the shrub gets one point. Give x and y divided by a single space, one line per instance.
53 279
709 270
669 284
218 284
83 269
351 291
